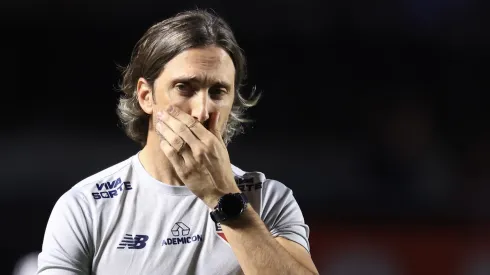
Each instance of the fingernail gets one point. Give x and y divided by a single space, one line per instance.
159 115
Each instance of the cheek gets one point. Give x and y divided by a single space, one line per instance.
225 109
167 99
183 105
226 104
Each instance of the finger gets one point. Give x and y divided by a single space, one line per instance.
180 128
172 138
188 157
183 117
172 155
176 142
195 127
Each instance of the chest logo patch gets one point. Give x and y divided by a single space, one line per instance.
181 235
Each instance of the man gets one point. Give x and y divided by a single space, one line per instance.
179 206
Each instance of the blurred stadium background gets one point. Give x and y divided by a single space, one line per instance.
374 113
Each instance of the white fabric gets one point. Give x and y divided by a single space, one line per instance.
123 221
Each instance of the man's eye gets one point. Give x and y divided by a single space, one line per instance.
217 93
184 88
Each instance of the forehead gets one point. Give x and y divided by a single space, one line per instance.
212 63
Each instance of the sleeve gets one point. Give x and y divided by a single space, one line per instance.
282 214
66 248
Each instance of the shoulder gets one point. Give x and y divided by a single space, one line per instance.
121 168
275 203
100 184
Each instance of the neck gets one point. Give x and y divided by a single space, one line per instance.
156 162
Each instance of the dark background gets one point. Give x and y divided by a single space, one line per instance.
374 112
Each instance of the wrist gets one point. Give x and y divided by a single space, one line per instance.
212 199
245 218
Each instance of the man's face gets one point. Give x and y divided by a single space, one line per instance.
200 82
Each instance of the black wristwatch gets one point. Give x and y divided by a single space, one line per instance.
230 206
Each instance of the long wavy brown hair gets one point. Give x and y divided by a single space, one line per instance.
162 42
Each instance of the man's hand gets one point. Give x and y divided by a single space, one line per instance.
200 158
198 155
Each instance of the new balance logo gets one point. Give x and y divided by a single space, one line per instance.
138 242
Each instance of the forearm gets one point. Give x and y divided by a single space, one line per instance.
256 249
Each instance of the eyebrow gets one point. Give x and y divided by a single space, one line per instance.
201 80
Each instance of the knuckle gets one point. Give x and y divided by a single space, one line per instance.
206 151
175 140
200 155
181 128
191 122
185 172
175 112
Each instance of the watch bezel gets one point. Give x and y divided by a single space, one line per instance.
219 214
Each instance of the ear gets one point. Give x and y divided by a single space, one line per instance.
145 97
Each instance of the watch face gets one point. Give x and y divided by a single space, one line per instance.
231 205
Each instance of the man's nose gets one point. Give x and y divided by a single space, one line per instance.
201 107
